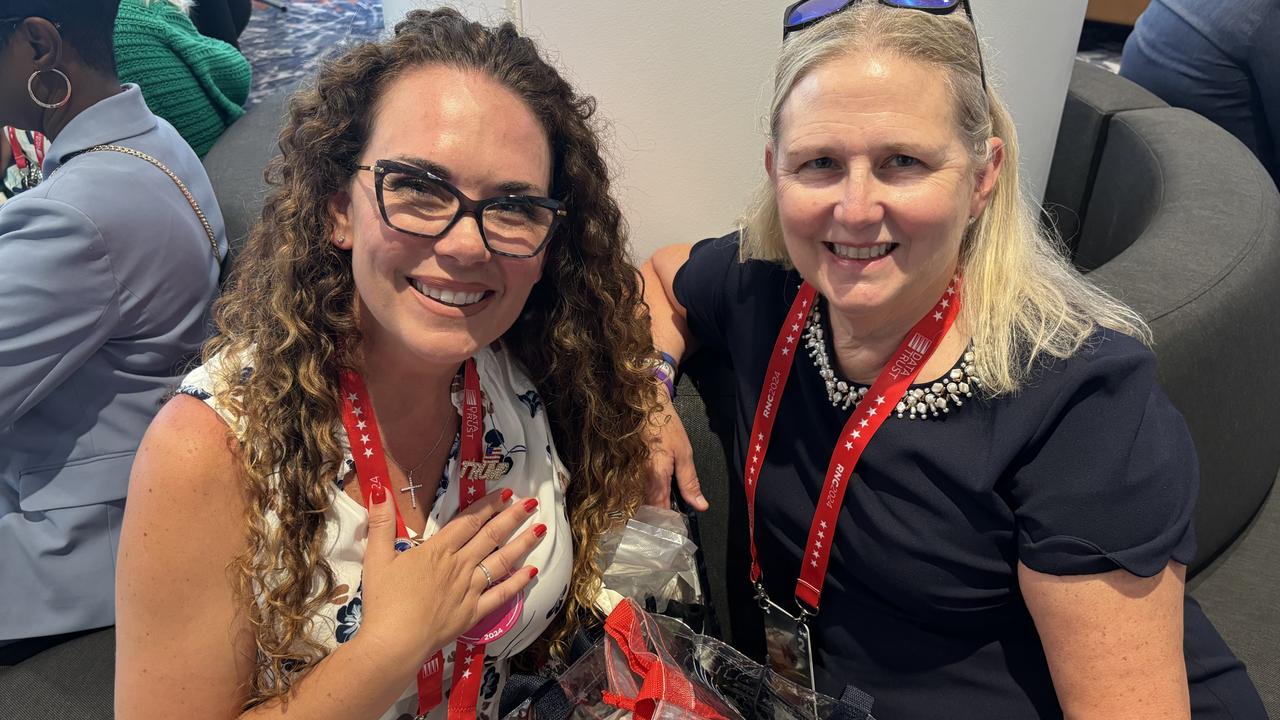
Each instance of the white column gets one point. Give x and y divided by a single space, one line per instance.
489 11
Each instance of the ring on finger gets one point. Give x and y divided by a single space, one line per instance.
488 577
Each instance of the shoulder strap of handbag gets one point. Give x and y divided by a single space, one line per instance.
191 199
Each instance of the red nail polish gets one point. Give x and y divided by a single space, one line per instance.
530 505
378 495
533 573
539 530
505 495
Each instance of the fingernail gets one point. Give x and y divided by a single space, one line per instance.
539 530
505 495
379 494
530 505
703 501
533 573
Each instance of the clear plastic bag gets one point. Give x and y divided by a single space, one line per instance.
656 668
652 560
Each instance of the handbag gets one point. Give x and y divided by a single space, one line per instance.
655 668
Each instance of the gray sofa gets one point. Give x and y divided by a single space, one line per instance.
1165 209
1172 214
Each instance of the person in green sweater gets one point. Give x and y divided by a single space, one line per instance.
197 83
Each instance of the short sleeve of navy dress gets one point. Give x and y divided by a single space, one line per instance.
1088 469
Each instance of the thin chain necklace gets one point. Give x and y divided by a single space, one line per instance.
411 488
917 403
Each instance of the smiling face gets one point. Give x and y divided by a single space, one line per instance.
875 185
436 301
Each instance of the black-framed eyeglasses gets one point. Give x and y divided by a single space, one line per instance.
417 202
806 13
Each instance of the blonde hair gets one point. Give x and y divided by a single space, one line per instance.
1023 298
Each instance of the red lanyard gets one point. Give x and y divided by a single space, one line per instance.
19 157
371 470
867 418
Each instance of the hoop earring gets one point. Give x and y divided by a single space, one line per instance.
32 92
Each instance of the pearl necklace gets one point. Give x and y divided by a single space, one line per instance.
917 403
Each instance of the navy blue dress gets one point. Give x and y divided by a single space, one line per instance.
1087 470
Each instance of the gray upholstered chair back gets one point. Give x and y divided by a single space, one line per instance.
1203 271
236 164
1179 221
1093 99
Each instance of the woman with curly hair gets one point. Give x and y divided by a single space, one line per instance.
440 260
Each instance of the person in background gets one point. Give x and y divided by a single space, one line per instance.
429 395
975 492
21 154
106 276
219 19
197 83
1220 58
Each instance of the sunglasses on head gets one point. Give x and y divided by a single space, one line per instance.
807 13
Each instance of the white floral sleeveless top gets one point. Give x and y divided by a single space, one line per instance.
518 436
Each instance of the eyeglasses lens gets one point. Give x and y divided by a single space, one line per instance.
925 4
807 12
516 226
419 205
812 10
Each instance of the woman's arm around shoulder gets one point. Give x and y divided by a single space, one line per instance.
1113 641
671 453
667 316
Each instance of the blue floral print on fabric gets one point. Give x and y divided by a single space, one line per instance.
489 686
532 401
349 617
198 393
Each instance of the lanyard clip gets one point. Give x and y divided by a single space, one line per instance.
762 597
806 612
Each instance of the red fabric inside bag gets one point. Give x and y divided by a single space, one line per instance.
647 681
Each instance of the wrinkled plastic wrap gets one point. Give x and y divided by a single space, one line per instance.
652 560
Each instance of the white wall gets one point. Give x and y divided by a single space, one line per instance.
489 11
684 86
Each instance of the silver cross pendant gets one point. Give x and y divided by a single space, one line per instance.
412 490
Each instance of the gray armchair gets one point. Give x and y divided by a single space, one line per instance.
1183 223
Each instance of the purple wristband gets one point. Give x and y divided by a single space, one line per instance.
665 370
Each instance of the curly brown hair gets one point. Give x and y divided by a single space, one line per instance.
289 312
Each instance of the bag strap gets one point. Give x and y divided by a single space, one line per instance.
854 705
191 199
661 683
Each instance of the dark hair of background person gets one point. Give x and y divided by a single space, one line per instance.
289 311
222 19
85 25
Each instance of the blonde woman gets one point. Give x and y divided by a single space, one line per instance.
975 495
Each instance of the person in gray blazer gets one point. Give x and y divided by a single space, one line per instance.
107 271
